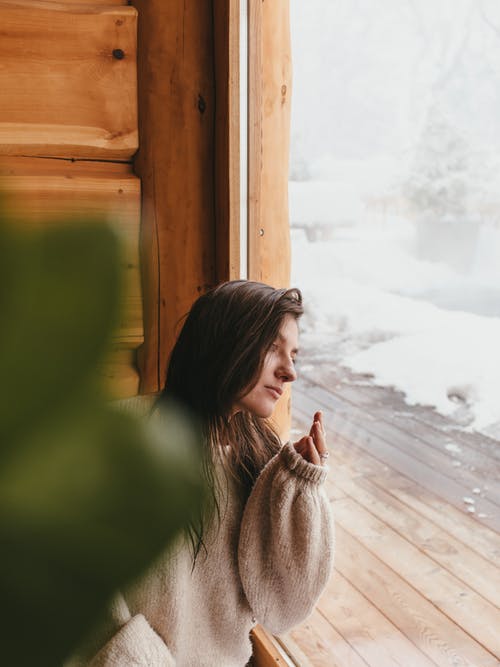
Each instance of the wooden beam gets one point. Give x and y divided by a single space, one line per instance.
227 138
269 141
176 165
255 148
266 650
68 80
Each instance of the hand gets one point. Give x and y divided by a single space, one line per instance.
312 447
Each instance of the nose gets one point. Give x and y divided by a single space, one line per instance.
287 372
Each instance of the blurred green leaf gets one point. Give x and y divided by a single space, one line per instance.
83 509
88 495
59 295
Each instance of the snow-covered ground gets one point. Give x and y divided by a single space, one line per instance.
370 295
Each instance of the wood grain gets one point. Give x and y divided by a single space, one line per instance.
428 445
119 374
49 192
255 137
322 644
64 93
453 597
362 429
266 651
269 141
471 568
356 463
227 138
371 635
438 637
176 166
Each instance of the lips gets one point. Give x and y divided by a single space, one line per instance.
275 391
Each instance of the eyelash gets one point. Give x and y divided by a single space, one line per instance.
274 347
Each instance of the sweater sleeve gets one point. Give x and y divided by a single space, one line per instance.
124 640
286 543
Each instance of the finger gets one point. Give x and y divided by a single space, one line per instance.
300 445
312 454
319 438
319 417
306 448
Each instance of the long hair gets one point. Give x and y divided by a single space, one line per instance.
217 359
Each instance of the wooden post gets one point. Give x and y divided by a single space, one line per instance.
176 165
227 138
269 141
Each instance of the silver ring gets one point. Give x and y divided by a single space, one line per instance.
324 456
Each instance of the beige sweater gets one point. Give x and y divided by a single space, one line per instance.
267 562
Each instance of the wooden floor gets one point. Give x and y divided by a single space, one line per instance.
416 504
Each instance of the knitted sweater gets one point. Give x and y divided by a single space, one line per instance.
267 561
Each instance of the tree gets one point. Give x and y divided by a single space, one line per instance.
439 182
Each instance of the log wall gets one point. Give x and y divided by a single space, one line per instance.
105 97
68 131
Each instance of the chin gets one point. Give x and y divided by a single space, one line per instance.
264 412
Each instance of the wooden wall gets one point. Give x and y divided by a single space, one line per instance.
69 130
131 112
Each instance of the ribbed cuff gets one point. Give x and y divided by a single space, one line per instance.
302 468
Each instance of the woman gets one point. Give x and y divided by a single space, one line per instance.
266 552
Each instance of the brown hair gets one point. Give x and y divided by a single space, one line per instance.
217 359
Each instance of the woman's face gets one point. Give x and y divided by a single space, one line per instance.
278 369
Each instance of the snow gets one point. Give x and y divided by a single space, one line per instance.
395 195
362 293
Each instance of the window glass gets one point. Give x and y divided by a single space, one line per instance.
395 196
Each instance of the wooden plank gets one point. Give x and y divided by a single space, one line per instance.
48 191
63 4
416 438
269 141
389 404
176 166
266 651
438 637
434 480
464 563
368 631
255 120
322 645
68 80
346 386
459 602
227 138
119 374
462 527
345 456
